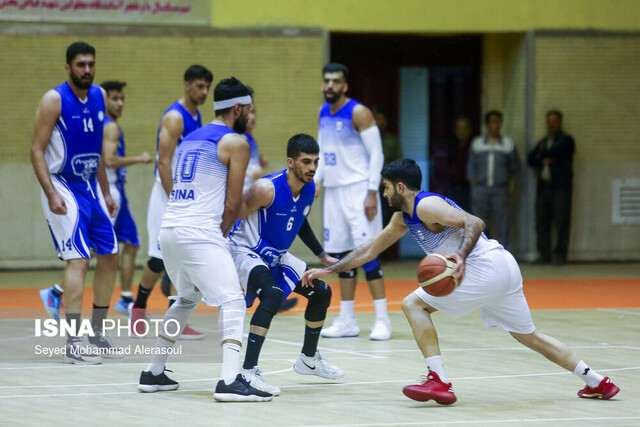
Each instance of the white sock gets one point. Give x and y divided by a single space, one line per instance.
59 288
179 312
588 375
347 309
230 362
435 364
381 307
126 294
159 360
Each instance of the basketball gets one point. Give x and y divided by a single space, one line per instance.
435 274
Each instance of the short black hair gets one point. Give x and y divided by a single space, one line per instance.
79 48
555 112
197 72
302 143
405 171
336 67
228 89
113 85
492 113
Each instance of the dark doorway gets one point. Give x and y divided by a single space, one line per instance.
454 64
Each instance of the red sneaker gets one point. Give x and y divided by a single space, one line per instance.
189 334
138 324
605 390
431 388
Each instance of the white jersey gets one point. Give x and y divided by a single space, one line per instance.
448 240
344 158
199 183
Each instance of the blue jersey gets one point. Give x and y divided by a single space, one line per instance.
449 239
75 147
119 175
189 124
270 231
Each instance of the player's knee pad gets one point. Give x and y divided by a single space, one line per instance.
231 320
178 314
262 285
372 269
156 265
319 301
351 274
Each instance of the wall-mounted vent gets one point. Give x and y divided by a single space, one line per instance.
626 201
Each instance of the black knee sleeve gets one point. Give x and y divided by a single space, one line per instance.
372 269
319 301
262 285
156 265
165 285
351 274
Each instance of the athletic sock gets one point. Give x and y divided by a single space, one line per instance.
143 295
57 290
588 375
436 364
230 362
381 308
159 359
99 314
347 309
71 318
254 345
311 337
127 296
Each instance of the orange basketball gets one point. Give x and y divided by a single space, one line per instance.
435 274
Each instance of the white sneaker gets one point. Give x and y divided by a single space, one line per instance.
79 351
381 330
317 365
341 327
255 380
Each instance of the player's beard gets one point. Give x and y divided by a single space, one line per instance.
240 126
79 83
336 97
395 201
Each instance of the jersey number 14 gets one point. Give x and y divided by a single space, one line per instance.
88 124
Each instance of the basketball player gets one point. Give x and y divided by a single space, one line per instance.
113 152
116 162
350 162
204 203
178 121
489 280
66 156
276 208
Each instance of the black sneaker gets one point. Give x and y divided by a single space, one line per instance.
150 383
239 391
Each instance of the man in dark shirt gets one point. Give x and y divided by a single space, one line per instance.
552 158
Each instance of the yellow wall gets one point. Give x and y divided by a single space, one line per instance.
424 16
595 81
284 71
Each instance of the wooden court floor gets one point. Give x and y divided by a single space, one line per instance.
497 381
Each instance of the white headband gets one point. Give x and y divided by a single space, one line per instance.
228 103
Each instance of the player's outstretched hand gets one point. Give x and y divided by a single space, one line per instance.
57 205
314 273
328 260
460 267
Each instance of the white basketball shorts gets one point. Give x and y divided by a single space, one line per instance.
345 224
199 259
493 284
